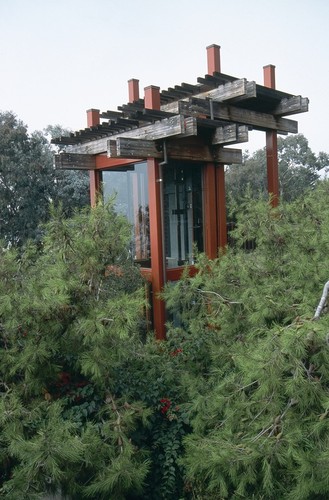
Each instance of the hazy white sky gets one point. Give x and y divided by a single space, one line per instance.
59 58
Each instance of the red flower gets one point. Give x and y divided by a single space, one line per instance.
166 404
176 352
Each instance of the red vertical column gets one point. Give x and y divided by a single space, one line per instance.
156 243
210 210
221 206
272 145
213 59
152 101
133 90
93 119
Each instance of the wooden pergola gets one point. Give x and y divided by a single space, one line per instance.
192 124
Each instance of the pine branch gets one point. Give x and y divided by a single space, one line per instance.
223 299
117 428
322 302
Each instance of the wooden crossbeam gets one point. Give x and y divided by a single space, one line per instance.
71 161
174 126
125 147
291 106
228 156
259 121
230 92
230 134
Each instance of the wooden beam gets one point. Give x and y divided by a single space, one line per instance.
259 121
127 147
291 106
186 150
227 156
71 161
236 90
178 126
230 134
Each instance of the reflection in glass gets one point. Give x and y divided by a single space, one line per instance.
183 217
131 189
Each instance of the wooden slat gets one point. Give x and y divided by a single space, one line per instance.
178 126
70 161
236 90
259 121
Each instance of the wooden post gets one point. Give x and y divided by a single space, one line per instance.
272 145
210 218
133 90
152 97
213 59
152 101
156 243
221 206
93 119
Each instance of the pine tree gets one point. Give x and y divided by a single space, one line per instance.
259 408
70 310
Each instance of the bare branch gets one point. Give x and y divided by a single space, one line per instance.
322 302
226 301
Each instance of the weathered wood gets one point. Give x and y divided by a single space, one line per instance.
178 126
259 121
227 155
71 161
291 106
230 91
230 134
127 147
186 150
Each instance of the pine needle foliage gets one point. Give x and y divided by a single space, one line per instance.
259 398
70 309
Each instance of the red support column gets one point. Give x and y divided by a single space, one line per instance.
221 206
152 97
213 59
157 257
210 218
272 145
133 90
152 101
93 119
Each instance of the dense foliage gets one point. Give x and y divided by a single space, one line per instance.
259 414
299 170
29 182
234 404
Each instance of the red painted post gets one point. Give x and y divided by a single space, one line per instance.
221 206
272 145
152 101
152 97
213 59
93 119
157 257
210 212
133 90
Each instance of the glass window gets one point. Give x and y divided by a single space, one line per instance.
183 216
130 185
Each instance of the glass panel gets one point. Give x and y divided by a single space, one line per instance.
183 223
131 189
